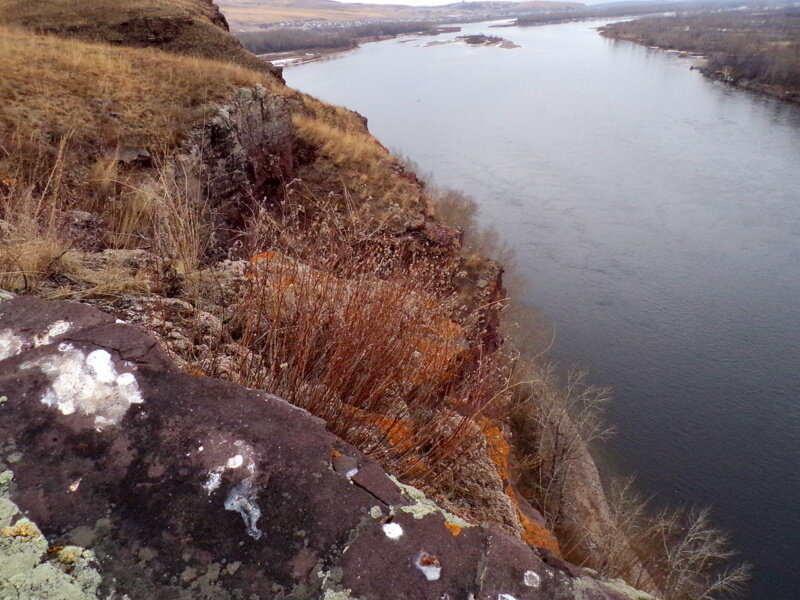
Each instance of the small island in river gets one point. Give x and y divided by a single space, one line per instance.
481 39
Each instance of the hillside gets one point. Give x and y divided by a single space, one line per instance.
152 169
134 178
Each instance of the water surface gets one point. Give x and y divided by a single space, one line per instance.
656 215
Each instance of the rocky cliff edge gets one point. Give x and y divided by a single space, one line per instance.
151 483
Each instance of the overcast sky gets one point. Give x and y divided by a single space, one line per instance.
439 2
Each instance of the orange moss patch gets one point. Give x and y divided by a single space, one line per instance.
454 529
497 446
533 533
400 433
499 452
262 256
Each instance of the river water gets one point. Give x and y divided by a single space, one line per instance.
656 216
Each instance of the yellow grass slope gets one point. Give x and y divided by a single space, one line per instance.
101 96
193 27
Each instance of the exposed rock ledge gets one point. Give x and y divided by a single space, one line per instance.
189 487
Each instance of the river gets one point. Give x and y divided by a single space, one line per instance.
656 216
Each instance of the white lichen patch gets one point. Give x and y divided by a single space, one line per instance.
56 329
351 473
244 458
531 579
11 344
393 531
505 597
213 482
242 499
87 384
234 462
429 566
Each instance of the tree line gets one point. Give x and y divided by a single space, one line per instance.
762 46
288 39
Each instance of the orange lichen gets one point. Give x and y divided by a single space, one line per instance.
284 283
262 256
400 433
533 533
335 453
195 372
499 452
23 529
455 530
497 447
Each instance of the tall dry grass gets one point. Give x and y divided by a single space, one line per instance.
334 320
159 211
31 236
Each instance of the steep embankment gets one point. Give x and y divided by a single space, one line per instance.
264 237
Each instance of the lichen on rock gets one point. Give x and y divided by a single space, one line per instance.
87 383
423 506
30 569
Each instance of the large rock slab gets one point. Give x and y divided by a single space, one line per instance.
189 487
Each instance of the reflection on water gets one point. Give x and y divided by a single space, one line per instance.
656 215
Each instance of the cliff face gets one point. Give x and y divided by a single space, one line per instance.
189 487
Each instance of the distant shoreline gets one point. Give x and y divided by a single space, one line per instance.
700 63
293 58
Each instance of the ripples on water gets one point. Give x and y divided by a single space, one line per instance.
656 215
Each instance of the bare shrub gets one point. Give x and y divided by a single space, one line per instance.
555 422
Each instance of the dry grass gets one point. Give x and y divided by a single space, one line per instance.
68 14
367 173
103 96
356 148
190 27
40 254
336 322
68 107
31 238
